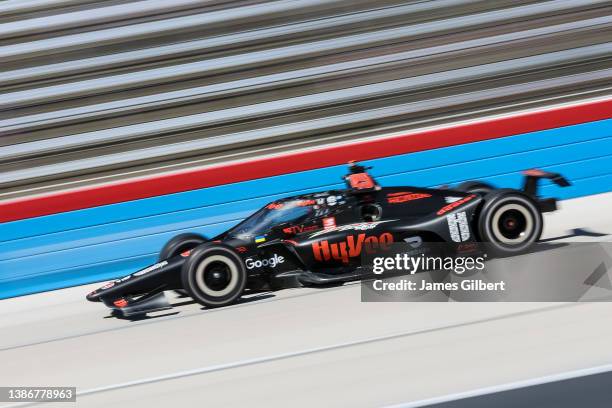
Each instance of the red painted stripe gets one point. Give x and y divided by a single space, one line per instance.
93 196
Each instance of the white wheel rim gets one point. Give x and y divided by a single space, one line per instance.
529 226
199 276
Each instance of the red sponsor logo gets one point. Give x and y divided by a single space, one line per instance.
467 247
329 222
403 196
305 203
120 303
241 249
298 229
456 204
108 285
186 253
298 203
274 206
352 247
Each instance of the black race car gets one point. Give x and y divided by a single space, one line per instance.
318 239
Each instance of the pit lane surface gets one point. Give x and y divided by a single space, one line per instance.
305 346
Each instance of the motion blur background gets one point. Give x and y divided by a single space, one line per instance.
124 123
95 92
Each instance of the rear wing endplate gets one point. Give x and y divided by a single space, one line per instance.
530 186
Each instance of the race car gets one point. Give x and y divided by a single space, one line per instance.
319 239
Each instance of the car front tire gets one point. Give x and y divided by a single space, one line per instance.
179 244
214 275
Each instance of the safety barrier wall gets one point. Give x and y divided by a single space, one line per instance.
94 89
114 236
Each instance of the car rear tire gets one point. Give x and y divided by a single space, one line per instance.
214 275
475 187
509 222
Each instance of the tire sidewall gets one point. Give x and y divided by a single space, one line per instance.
204 295
494 202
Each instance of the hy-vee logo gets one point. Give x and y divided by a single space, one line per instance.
352 247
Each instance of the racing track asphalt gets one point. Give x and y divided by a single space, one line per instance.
305 346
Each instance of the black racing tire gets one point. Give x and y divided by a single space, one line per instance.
509 222
214 275
479 187
179 244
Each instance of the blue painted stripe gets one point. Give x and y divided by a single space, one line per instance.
109 241
173 203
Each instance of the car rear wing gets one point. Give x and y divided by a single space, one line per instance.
530 187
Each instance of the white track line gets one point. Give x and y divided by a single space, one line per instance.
297 294
507 387
298 353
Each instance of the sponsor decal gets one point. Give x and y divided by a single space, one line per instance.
151 268
260 239
458 226
297 203
329 222
414 241
305 203
274 206
108 286
298 229
321 212
328 200
241 249
120 303
455 204
186 253
268 262
351 247
360 226
404 196
467 247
